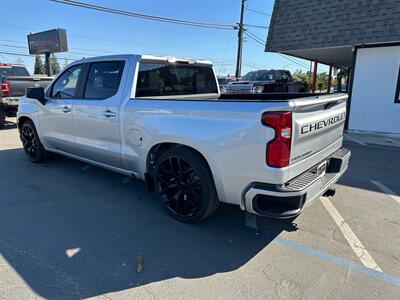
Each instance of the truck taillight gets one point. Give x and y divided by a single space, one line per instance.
5 88
278 150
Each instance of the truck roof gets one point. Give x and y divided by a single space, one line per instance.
9 65
139 57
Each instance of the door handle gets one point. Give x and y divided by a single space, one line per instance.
65 109
109 114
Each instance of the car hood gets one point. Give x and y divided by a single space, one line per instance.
248 83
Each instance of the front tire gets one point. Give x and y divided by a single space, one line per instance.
33 148
185 184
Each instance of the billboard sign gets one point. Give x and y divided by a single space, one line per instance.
49 41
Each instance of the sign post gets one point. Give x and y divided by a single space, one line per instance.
47 42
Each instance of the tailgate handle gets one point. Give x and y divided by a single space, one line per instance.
330 104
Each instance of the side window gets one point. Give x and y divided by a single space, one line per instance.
66 84
289 76
103 79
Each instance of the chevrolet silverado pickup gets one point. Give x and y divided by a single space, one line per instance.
14 79
266 81
163 120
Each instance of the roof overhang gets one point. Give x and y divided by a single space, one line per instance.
335 56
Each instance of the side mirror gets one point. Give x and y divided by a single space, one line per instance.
36 93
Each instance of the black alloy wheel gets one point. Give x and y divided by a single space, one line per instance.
185 185
33 148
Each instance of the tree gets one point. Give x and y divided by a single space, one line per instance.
322 81
65 63
39 66
55 66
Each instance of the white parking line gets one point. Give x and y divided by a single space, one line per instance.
350 236
386 190
355 140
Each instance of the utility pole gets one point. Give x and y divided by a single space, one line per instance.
49 71
240 43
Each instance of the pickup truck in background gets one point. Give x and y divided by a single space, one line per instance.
163 120
266 81
223 81
14 80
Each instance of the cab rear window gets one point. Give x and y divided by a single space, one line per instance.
13 71
158 79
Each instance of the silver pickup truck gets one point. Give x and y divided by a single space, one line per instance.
164 121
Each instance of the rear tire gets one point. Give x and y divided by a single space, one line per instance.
185 184
33 148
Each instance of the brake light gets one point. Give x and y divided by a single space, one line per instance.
5 65
5 88
278 150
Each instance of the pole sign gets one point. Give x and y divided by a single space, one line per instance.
49 41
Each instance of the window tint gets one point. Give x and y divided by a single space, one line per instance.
103 79
66 84
174 79
19 71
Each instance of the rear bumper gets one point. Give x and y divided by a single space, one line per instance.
11 102
289 200
9 105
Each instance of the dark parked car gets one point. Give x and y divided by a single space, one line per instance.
266 81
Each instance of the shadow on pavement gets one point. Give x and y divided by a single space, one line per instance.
75 234
375 162
9 125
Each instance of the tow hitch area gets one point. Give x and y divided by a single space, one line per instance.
329 193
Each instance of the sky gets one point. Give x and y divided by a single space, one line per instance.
94 33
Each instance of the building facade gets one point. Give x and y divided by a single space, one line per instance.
360 35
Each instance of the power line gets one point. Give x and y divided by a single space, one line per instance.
256 26
28 55
258 40
143 16
258 12
293 61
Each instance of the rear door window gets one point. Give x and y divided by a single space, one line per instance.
103 79
161 79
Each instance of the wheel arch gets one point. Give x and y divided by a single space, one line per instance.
159 148
22 119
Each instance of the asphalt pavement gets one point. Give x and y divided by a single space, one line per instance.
69 231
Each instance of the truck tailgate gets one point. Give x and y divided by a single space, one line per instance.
317 130
19 84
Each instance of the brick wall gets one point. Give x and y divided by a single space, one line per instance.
307 24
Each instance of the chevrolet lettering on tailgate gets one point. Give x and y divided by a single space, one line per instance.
322 124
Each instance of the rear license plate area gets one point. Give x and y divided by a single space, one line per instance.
321 169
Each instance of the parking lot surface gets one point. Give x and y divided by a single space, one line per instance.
70 231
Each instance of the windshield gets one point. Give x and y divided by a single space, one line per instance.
260 75
160 79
